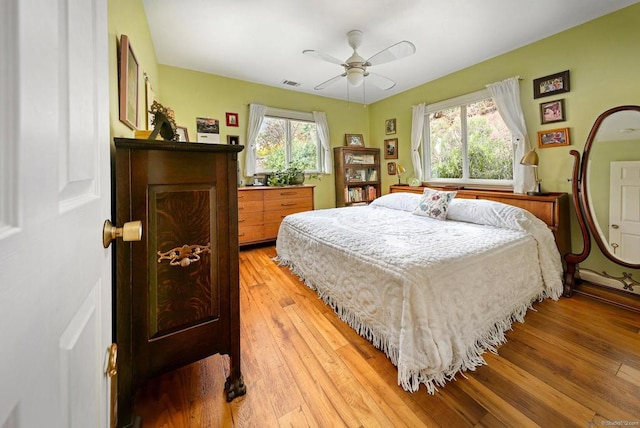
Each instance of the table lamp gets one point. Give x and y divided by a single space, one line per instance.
531 159
400 170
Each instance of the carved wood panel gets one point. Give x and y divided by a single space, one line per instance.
181 296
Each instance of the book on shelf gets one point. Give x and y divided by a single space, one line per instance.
372 175
359 158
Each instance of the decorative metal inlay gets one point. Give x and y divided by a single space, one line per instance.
626 280
185 255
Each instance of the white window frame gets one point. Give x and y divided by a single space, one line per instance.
460 101
278 113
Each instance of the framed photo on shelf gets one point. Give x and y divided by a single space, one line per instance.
232 119
233 140
391 168
552 111
553 138
183 134
550 85
354 140
391 148
390 126
129 71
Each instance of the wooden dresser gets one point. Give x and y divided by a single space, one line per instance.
261 210
552 209
177 290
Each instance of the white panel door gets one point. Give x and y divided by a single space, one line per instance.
55 276
624 210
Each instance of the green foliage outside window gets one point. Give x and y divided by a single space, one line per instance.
272 143
488 142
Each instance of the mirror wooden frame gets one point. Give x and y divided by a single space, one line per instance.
582 205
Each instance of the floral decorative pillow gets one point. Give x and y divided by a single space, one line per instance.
434 203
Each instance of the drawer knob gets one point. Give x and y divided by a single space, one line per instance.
185 255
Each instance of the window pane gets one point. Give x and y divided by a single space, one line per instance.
446 143
489 143
304 145
270 145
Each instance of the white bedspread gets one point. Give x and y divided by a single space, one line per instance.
433 295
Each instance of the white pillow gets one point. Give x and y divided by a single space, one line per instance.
404 201
490 213
434 203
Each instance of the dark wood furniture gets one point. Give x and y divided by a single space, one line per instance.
553 209
614 137
357 171
261 210
176 295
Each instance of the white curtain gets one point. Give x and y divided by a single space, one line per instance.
506 96
417 126
322 127
256 116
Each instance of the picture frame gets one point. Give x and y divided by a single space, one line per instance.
390 126
128 81
233 140
232 119
553 138
391 168
208 130
183 134
552 111
150 97
354 140
391 148
551 85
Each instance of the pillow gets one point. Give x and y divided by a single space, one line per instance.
490 213
403 201
434 203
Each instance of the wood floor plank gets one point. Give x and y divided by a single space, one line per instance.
571 360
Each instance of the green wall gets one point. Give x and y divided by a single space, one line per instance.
193 94
602 56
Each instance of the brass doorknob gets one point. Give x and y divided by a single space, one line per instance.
130 231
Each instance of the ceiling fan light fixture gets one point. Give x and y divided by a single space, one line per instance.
355 76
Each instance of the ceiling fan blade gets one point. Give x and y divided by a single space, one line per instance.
329 82
393 52
322 56
379 81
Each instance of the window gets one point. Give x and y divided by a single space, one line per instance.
288 139
466 141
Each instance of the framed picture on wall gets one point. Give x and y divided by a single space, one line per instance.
391 148
390 126
129 70
553 138
232 119
551 85
552 111
391 168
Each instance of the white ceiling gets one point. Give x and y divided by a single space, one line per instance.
262 41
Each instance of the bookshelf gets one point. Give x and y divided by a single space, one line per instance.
357 171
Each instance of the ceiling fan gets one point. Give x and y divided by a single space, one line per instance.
355 67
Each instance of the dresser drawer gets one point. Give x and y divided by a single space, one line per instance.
250 207
248 234
288 204
289 193
250 218
249 195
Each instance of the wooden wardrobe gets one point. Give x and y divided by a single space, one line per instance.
176 296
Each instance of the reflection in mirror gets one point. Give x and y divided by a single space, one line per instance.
613 185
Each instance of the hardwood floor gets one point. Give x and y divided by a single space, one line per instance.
574 362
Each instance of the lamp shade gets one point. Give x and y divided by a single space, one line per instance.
530 159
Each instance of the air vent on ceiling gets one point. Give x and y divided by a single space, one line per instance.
290 83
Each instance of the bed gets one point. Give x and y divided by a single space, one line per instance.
433 290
